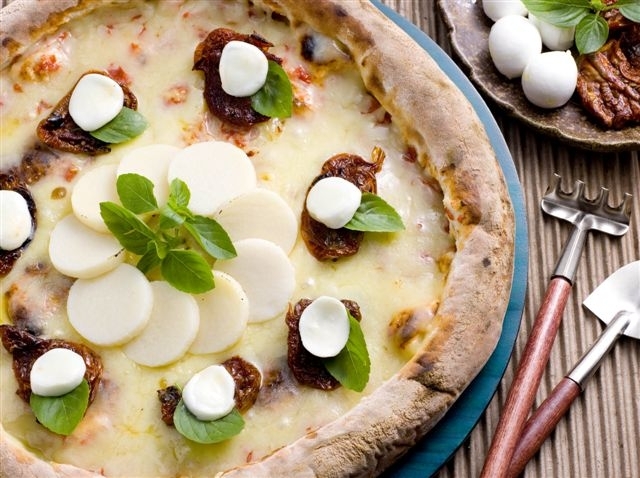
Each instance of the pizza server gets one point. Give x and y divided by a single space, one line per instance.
617 303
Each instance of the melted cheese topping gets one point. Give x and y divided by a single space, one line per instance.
122 434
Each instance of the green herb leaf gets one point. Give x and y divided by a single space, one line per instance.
206 432
179 196
566 13
187 271
591 33
351 367
126 125
133 233
275 98
629 9
375 215
136 193
149 261
61 414
169 218
211 237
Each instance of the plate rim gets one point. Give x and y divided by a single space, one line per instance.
431 453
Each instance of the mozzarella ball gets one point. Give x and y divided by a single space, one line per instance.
15 220
243 68
513 41
496 9
553 37
550 78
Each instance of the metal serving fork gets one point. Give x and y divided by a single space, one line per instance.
585 215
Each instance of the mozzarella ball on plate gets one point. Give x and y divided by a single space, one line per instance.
496 9
554 37
550 78
513 41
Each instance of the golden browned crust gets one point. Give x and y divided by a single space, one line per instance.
453 147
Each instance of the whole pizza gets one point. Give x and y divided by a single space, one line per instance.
238 238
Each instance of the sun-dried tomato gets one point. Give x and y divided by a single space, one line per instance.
247 378
323 242
59 131
306 367
232 109
26 347
169 398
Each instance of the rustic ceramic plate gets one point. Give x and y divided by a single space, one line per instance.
469 32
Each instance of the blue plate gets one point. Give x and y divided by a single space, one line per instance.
439 445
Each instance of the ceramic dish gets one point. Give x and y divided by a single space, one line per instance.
469 33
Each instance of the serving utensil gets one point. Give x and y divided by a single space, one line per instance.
585 215
617 303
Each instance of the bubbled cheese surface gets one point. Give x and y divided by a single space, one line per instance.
391 272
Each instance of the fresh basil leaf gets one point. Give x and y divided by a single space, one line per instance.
206 432
211 237
136 193
131 232
591 33
179 195
61 414
566 13
126 125
352 366
187 271
375 215
149 261
169 218
629 9
275 98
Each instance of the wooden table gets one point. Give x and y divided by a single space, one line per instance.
600 435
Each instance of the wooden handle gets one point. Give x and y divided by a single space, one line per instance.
525 383
542 423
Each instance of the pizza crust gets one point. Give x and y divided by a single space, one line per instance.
455 150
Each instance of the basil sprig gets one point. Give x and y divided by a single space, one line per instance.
352 366
375 215
164 246
61 414
189 426
592 29
126 125
275 98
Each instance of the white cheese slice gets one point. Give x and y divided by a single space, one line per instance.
57 372
95 100
79 251
152 162
224 312
90 190
260 213
171 329
111 309
209 393
215 172
333 201
15 220
243 68
324 327
265 274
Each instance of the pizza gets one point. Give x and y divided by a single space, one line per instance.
265 238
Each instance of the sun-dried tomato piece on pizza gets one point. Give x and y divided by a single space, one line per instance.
232 109
59 131
323 242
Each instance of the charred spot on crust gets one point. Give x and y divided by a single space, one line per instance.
26 347
308 45
340 11
306 367
59 131
232 109
323 242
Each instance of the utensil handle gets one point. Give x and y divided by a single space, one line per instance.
542 423
525 383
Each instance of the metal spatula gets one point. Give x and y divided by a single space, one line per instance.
617 303
585 215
